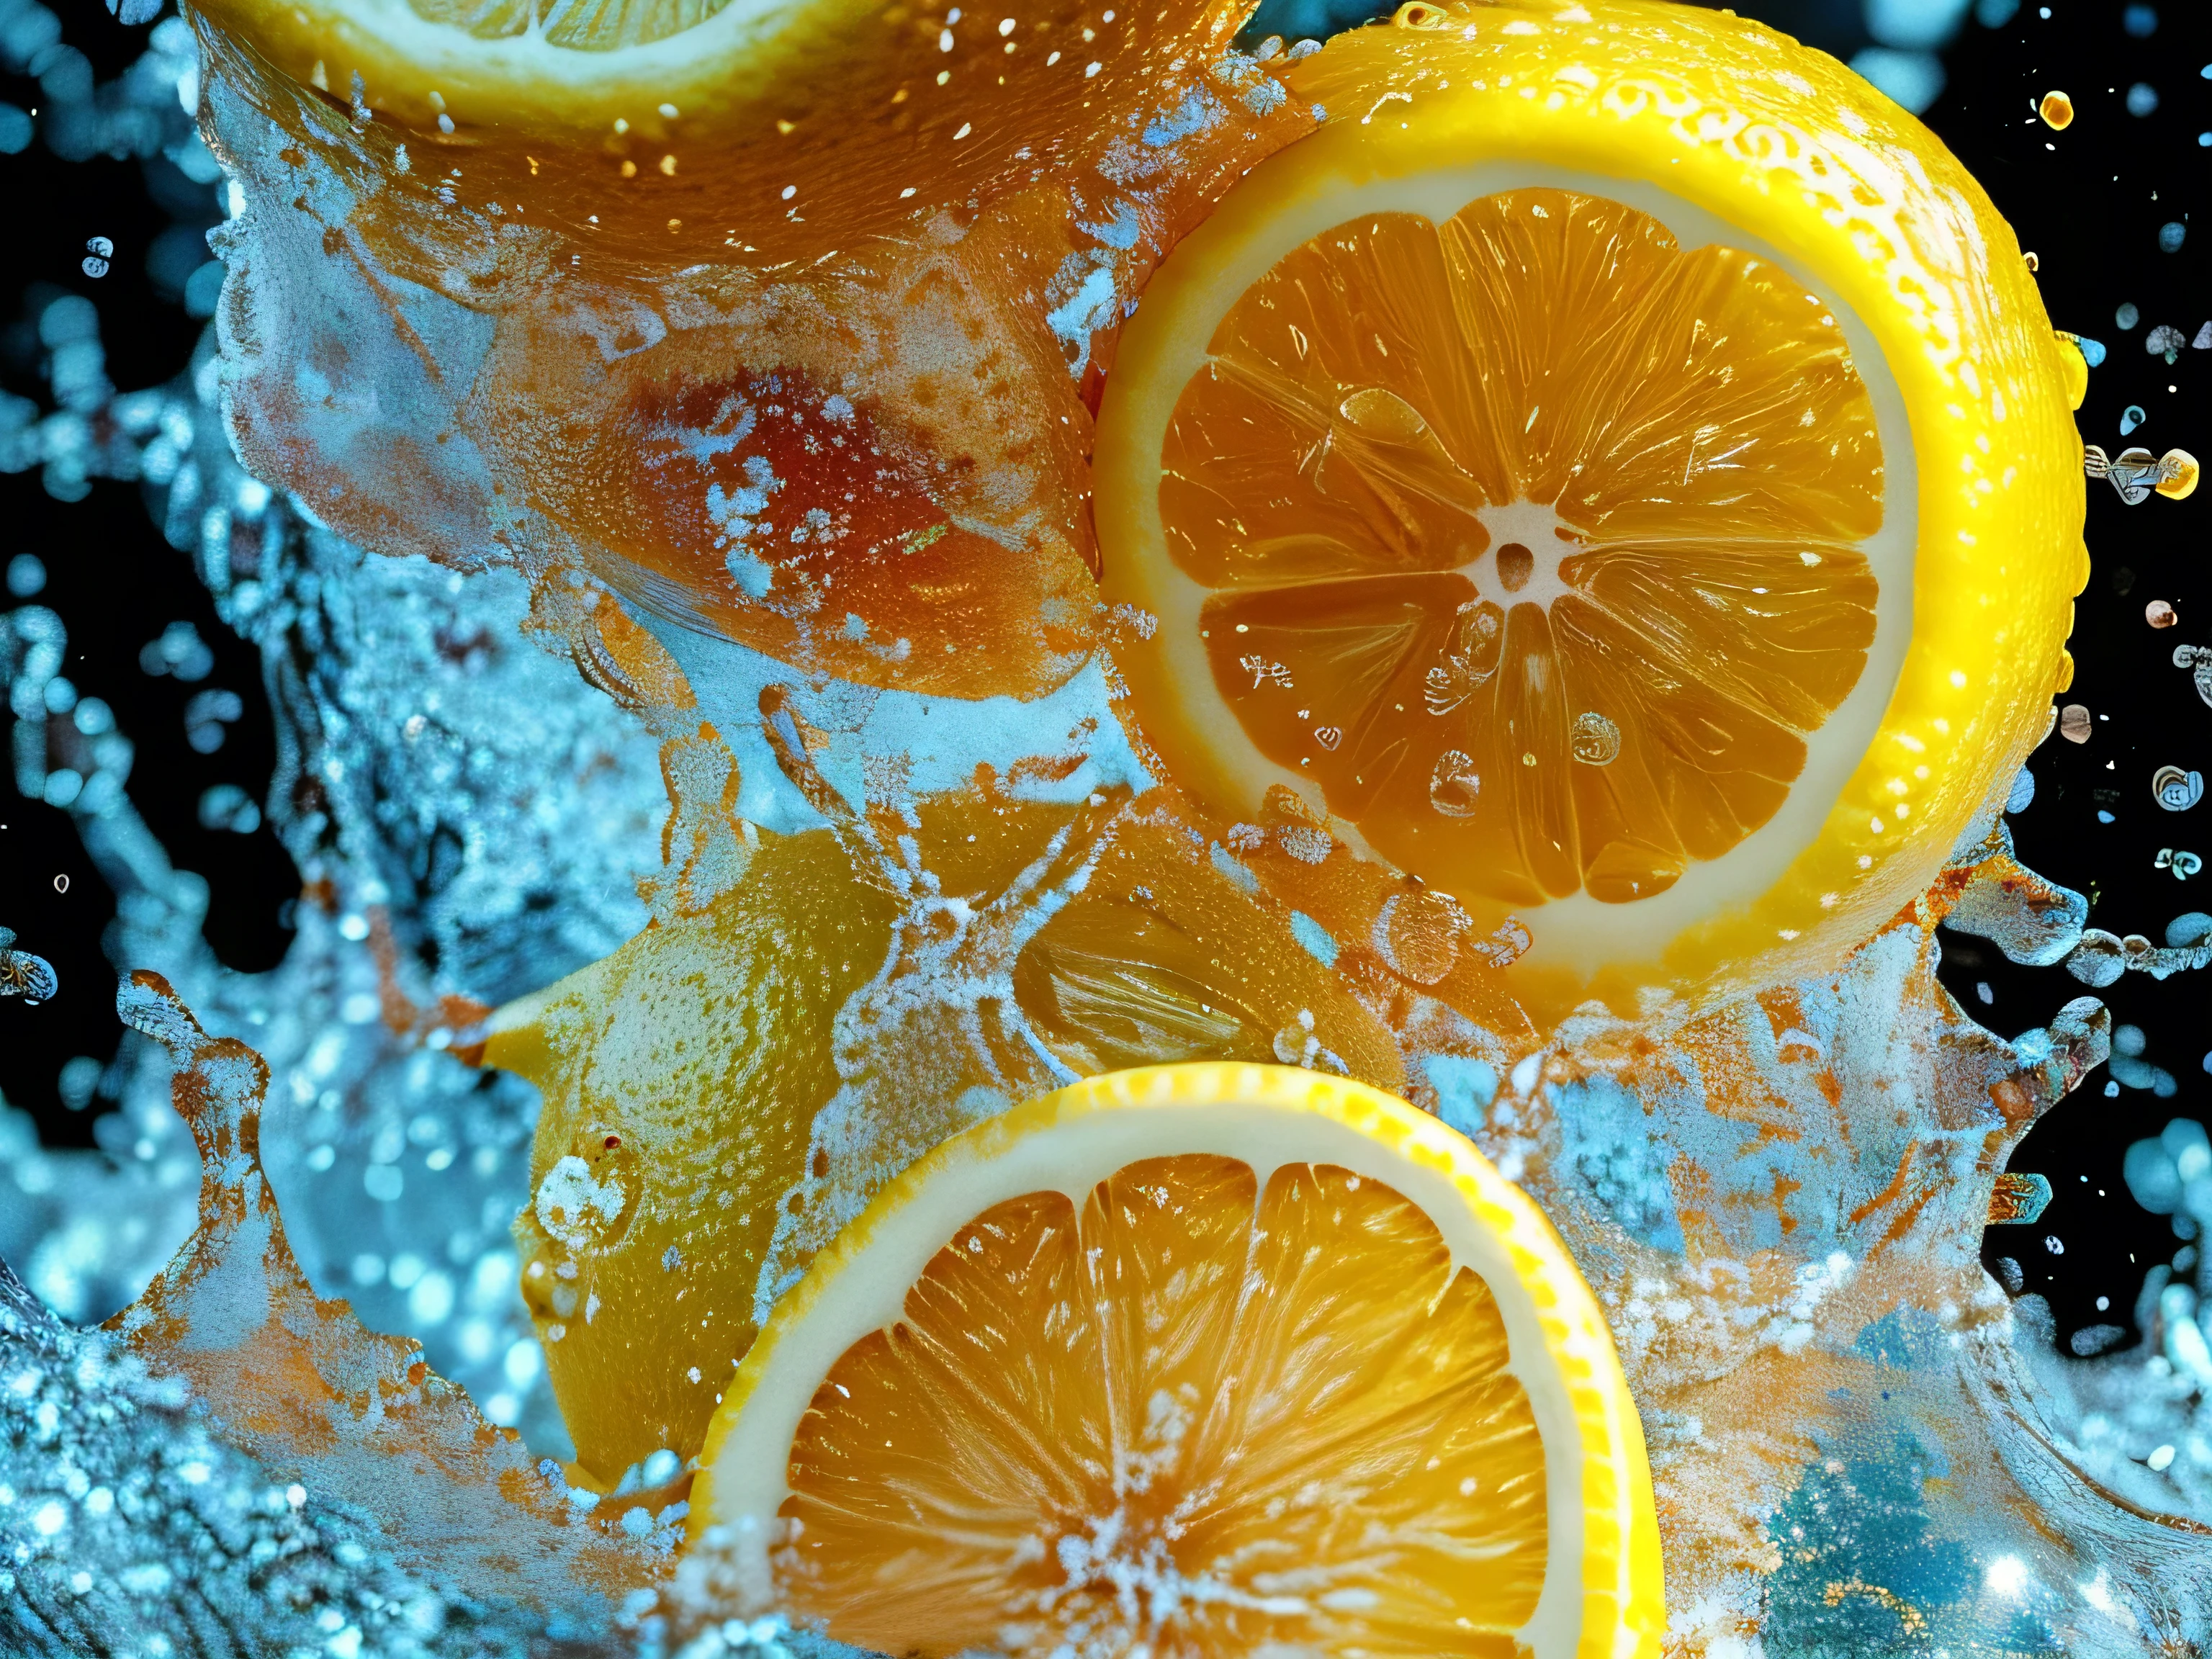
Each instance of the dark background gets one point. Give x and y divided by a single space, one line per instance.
2089 202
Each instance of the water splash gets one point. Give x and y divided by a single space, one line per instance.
1779 1199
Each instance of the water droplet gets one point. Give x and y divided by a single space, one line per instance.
1454 784
1596 740
2177 474
2131 417
586 1198
2176 790
1418 934
2056 110
1381 413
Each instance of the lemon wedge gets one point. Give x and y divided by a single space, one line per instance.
1208 1359
1616 469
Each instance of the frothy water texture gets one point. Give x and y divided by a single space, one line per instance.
492 775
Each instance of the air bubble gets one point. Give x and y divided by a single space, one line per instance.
1454 784
1596 740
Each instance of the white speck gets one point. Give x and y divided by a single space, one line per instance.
568 1199
2007 1574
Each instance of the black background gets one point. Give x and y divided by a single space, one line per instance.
2089 202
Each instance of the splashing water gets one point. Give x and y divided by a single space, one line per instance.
1861 1444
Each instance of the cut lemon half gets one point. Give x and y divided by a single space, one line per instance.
807 79
1618 470
550 67
1204 1360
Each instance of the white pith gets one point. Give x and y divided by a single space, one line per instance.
1577 932
1536 525
1146 1115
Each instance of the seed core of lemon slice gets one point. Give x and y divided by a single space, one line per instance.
1607 517
1206 1360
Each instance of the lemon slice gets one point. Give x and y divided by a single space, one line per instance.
1618 470
1203 1359
576 65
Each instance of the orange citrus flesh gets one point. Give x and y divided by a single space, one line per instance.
1257 1417
1532 539
1162 957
